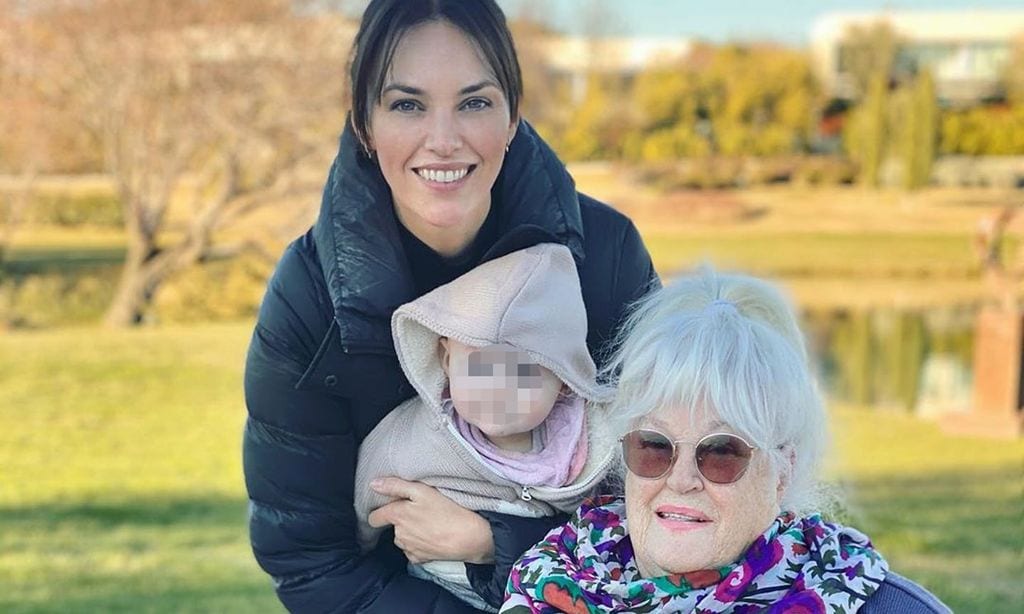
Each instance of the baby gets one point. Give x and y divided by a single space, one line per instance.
504 379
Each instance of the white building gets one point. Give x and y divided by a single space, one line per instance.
966 50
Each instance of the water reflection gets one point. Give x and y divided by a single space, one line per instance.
908 360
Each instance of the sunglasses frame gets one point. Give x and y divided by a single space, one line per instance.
675 443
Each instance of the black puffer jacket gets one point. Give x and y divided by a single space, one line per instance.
321 372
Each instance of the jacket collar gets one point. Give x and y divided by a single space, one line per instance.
360 250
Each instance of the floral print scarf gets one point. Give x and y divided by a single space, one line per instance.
798 566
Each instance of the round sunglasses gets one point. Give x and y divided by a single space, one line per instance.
721 458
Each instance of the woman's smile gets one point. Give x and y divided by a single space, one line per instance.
678 518
445 177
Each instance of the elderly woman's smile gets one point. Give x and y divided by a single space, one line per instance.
683 522
678 518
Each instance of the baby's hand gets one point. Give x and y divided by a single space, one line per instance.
431 527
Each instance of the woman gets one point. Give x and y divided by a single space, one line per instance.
722 431
435 174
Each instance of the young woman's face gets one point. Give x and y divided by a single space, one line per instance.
440 133
682 522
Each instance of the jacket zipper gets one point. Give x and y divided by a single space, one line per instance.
582 486
526 492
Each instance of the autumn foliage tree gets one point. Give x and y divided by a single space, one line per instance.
869 52
735 100
761 99
896 118
995 130
916 126
668 107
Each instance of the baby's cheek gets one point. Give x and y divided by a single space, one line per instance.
485 407
526 400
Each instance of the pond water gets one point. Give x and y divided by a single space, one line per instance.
917 361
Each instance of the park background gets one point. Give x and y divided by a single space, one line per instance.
156 157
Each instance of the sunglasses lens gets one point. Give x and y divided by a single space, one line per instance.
647 454
723 458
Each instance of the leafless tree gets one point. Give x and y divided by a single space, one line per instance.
21 116
869 54
205 112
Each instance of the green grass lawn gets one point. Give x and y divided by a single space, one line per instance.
832 270
121 488
802 254
120 473
946 511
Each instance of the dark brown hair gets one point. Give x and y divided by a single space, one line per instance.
386 21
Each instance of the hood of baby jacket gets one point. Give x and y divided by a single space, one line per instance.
529 299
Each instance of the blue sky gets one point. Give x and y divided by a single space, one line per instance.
786 21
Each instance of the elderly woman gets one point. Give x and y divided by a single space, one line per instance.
722 430
435 175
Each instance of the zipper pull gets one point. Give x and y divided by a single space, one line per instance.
525 495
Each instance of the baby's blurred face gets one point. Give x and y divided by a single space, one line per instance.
498 388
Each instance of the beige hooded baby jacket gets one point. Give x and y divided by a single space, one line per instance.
529 299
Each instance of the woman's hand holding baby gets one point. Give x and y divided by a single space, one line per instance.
429 526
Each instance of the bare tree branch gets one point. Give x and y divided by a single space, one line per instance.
205 111
989 242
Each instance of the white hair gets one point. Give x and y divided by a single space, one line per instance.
730 344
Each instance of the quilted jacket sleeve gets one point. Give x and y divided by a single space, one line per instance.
513 535
634 276
617 272
299 454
